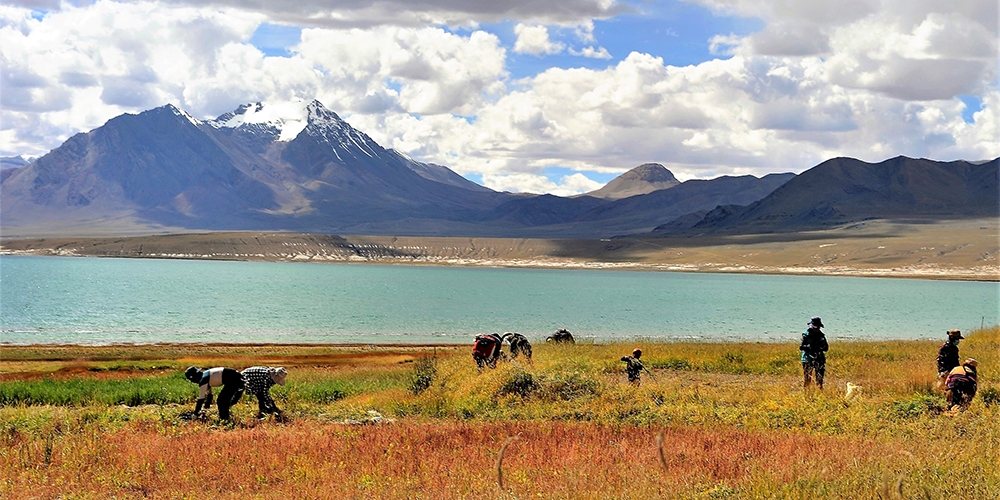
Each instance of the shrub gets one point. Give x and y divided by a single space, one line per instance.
672 364
424 372
518 382
917 405
569 386
990 395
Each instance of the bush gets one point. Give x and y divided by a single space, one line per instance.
672 364
990 395
569 386
917 405
424 372
518 382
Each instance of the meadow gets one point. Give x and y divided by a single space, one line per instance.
715 420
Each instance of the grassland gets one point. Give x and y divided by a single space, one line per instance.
714 421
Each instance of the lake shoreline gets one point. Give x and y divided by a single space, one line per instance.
915 272
871 249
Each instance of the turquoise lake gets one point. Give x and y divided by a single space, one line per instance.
68 300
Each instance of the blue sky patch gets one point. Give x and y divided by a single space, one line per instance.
275 40
972 106
555 174
678 32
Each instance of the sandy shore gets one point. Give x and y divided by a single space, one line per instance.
953 250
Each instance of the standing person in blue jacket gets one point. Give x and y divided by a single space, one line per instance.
814 347
229 379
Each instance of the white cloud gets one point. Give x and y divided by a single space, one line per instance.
598 53
568 185
535 40
436 71
872 83
365 14
912 50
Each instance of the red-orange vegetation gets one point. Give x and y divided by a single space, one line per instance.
415 460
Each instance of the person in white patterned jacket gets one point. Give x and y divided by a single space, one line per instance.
259 380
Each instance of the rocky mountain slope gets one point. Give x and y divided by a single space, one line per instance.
300 167
643 179
303 169
844 190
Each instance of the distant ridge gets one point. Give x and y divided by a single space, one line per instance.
299 167
643 179
843 190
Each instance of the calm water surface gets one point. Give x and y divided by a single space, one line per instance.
105 301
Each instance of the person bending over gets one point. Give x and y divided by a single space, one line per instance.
229 379
961 384
259 380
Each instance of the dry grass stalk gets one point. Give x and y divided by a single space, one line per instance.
503 449
883 492
659 450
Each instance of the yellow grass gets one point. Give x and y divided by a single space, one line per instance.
734 420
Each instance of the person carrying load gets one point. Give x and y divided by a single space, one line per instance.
229 379
961 384
518 345
486 350
634 367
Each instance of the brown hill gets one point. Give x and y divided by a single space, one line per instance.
844 190
643 179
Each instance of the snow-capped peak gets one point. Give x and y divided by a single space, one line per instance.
180 112
287 119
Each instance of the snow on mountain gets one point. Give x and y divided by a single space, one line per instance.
282 121
180 112
325 125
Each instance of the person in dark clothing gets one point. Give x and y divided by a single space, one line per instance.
947 358
259 380
518 345
962 384
634 367
814 347
229 379
561 335
486 350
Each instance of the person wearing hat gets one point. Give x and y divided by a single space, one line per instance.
962 383
229 379
814 347
634 367
947 358
259 380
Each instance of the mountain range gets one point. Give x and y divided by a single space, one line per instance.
300 167
843 190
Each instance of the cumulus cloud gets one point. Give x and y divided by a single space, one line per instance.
535 40
437 72
598 53
877 80
367 14
919 50
568 185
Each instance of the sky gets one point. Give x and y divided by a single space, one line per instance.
555 96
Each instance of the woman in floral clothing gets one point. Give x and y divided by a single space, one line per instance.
259 380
